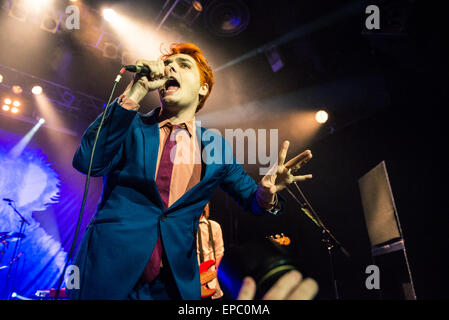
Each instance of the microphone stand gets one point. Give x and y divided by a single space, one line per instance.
2 252
328 238
19 241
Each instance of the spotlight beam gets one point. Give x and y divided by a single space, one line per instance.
33 121
17 150
110 15
131 32
166 15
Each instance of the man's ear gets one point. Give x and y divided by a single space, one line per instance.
204 89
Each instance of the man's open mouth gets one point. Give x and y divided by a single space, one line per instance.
172 85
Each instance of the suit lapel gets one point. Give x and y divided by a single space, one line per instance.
150 137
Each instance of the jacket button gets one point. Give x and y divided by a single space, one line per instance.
164 217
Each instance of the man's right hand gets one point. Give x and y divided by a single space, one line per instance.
141 85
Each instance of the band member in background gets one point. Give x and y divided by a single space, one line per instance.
210 246
141 243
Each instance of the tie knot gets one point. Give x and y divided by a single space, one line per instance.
175 129
177 126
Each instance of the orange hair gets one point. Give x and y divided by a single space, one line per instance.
205 70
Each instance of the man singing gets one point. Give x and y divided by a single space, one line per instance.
141 243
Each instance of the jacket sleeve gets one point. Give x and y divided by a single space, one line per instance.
109 147
241 187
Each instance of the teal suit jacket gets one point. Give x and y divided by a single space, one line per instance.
130 216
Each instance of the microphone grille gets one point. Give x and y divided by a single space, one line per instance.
131 68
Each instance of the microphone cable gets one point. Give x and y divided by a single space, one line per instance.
86 186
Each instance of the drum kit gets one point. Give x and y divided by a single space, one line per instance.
16 238
5 239
46 294
12 237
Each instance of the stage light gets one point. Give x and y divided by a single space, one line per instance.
68 97
321 116
17 89
274 58
16 103
48 111
226 18
197 6
36 90
14 110
110 50
110 15
39 3
1 78
18 10
8 101
5 107
51 21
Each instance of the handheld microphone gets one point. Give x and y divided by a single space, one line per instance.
138 69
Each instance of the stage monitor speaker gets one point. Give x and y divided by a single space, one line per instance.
385 234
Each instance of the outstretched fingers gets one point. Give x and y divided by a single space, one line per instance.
299 160
283 153
302 178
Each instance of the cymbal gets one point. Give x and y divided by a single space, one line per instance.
11 236
3 235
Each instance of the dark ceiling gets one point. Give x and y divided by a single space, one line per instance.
319 51
322 44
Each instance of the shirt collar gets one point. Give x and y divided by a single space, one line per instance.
188 125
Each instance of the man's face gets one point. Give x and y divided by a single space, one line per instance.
184 85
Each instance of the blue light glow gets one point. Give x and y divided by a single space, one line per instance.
29 180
